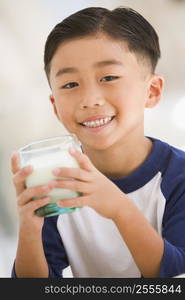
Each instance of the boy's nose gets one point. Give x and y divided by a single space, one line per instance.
91 96
91 100
94 103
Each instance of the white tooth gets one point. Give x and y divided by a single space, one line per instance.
97 122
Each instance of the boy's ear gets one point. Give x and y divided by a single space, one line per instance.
52 100
154 90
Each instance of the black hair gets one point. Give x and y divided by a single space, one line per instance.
121 23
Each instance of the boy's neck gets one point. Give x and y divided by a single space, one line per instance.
121 160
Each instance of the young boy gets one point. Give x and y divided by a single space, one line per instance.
100 65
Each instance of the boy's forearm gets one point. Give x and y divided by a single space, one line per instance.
30 259
144 243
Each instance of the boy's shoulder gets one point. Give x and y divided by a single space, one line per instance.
168 156
174 160
173 171
164 162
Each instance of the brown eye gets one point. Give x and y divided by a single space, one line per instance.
109 78
70 85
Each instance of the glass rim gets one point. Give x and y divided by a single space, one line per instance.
25 149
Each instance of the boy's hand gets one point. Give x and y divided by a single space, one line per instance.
98 191
26 206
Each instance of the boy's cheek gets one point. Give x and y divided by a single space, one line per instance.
68 123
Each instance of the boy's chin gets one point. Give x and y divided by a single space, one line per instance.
103 146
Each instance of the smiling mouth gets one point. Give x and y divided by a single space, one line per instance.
98 123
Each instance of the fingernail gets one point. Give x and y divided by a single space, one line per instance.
56 171
46 199
53 183
72 150
14 154
46 188
28 169
59 202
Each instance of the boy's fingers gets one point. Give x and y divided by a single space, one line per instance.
15 162
35 204
15 167
20 177
73 185
29 193
77 173
74 202
82 159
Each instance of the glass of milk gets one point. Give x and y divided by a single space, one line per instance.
46 155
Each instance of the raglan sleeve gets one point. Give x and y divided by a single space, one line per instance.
53 248
173 230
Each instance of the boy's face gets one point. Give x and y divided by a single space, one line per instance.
98 78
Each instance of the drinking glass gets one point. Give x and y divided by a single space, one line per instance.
44 156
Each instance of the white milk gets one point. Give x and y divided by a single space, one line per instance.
42 173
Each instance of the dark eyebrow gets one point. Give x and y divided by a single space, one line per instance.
66 70
102 63
109 62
